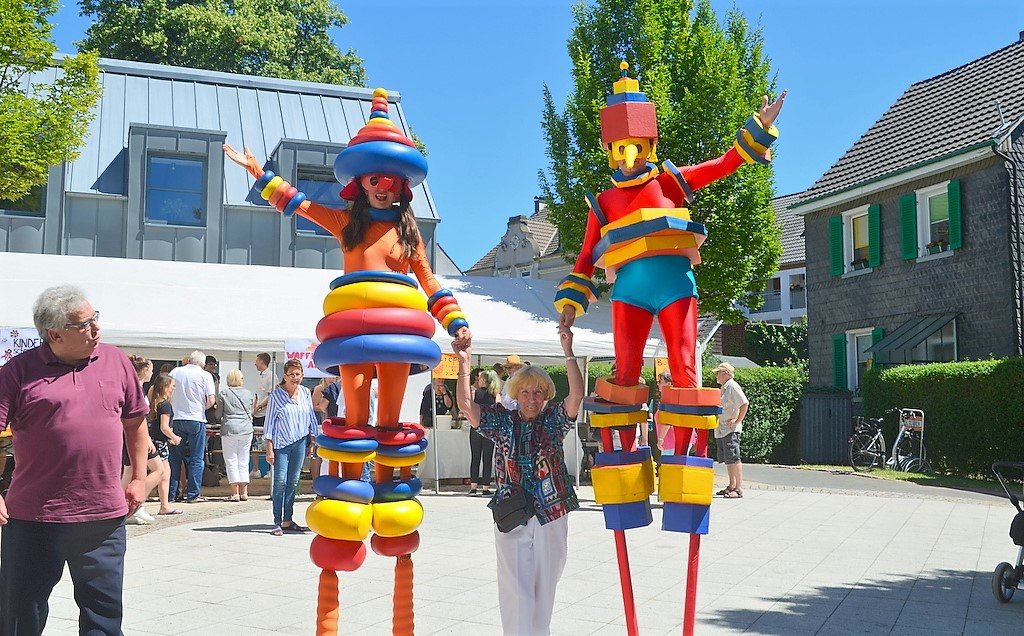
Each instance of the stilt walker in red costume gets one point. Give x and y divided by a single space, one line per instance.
641 234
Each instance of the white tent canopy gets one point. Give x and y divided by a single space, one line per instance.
165 309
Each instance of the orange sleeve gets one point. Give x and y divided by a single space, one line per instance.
420 266
331 219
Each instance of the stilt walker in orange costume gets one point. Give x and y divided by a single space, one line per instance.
641 234
375 324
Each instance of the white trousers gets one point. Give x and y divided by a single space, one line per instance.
236 449
531 559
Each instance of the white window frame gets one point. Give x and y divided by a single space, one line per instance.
848 218
924 224
851 355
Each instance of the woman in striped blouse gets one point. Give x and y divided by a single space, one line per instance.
288 433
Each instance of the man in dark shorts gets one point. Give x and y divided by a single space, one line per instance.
730 425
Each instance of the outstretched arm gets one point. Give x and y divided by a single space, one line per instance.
463 347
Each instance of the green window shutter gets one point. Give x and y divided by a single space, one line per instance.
908 227
956 235
876 336
839 360
874 235
835 244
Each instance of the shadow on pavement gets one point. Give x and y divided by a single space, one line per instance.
942 601
253 528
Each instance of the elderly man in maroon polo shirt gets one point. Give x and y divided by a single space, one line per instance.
70 401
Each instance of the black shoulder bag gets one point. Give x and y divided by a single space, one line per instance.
514 511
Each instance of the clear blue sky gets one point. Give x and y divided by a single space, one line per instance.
470 74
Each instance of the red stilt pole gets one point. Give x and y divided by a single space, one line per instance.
622 556
690 605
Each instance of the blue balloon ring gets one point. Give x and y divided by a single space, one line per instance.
346 445
381 157
685 409
294 204
341 489
421 353
372 277
397 490
403 451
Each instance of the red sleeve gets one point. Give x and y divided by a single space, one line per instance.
707 172
585 261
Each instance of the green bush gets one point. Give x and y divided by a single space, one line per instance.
973 411
777 345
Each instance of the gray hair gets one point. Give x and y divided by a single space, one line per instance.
51 309
197 357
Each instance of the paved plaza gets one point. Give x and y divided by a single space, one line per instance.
801 553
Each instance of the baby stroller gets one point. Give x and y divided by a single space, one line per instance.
1007 577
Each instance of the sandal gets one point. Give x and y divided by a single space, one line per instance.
725 491
173 511
735 493
294 527
277 531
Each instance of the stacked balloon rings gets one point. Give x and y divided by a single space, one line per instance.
373 317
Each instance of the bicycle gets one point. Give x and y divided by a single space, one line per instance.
867 446
909 454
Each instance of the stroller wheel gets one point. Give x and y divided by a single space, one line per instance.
1004 582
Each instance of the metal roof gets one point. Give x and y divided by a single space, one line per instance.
257 112
911 333
934 118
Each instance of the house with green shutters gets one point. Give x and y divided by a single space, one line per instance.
913 237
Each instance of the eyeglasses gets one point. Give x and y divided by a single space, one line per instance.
85 324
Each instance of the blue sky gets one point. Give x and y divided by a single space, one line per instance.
470 74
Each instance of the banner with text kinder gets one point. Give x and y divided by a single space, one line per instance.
15 340
302 349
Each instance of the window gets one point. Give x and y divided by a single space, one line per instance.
525 273
855 240
32 204
859 361
797 291
940 346
319 185
933 219
175 190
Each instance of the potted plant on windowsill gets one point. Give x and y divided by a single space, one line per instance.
860 263
937 246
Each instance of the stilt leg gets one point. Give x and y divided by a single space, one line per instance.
327 604
402 619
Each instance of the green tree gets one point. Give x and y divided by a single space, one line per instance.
269 38
43 125
705 79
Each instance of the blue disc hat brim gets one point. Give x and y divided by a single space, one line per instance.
381 157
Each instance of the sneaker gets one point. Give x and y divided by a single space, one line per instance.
199 499
142 514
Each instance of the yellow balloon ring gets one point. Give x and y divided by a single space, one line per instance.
400 462
397 518
371 295
347 457
343 520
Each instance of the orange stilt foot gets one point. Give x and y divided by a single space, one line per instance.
402 620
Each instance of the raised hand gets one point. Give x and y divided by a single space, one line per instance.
567 318
769 112
565 336
463 344
247 160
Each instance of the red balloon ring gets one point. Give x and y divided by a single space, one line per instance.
386 320
395 546
409 433
348 432
337 555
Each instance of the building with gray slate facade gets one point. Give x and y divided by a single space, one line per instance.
913 237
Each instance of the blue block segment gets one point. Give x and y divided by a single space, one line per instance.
618 98
688 460
688 518
627 516
597 405
690 410
644 228
623 458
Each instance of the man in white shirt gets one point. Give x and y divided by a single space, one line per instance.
264 385
512 364
194 392
730 425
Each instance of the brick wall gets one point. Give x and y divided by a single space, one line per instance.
976 281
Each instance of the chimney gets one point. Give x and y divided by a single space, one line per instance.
1020 36
538 202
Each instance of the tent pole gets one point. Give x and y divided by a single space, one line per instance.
579 439
437 437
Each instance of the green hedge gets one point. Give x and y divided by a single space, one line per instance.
772 423
973 411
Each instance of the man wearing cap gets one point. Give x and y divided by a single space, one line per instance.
730 425
512 364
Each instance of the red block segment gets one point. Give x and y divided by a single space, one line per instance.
409 433
395 546
628 119
337 555
704 396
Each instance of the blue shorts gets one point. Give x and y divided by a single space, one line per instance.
655 282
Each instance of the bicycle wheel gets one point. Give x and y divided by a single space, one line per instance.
863 454
1004 582
905 454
